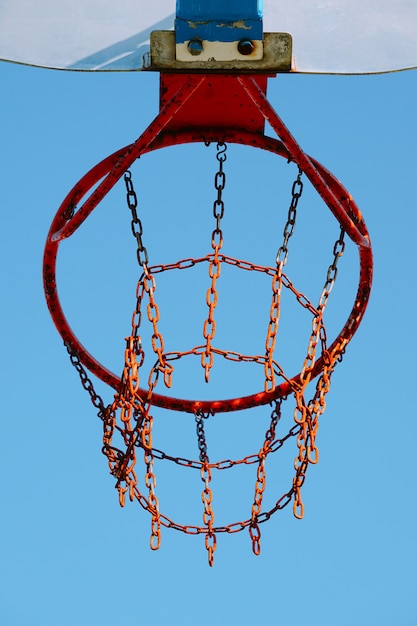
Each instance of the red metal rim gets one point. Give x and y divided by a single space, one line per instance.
348 215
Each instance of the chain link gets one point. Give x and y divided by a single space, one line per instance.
135 413
105 413
209 329
136 224
150 478
277 283
338 250
146 284
296 193
240 264
307 414
207 494
254 530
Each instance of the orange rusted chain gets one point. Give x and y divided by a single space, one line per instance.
306 418
128 421
136 421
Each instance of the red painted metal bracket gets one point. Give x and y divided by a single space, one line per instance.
219 101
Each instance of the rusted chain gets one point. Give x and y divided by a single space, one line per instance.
130 416
212 296
277 283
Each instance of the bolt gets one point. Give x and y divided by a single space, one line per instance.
245 47
195 47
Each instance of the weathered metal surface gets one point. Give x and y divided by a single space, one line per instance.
219 102
218 27
277 53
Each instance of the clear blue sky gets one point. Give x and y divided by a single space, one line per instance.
69 554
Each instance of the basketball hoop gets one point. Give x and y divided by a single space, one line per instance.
130 413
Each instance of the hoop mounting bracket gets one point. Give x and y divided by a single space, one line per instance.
219 102
277 55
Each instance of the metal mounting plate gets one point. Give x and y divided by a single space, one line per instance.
276 58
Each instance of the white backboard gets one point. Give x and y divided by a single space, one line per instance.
329 36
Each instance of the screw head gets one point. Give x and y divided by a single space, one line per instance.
245 47
195 47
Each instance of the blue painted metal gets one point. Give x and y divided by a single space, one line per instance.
218 20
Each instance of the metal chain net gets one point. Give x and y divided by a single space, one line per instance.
130 416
